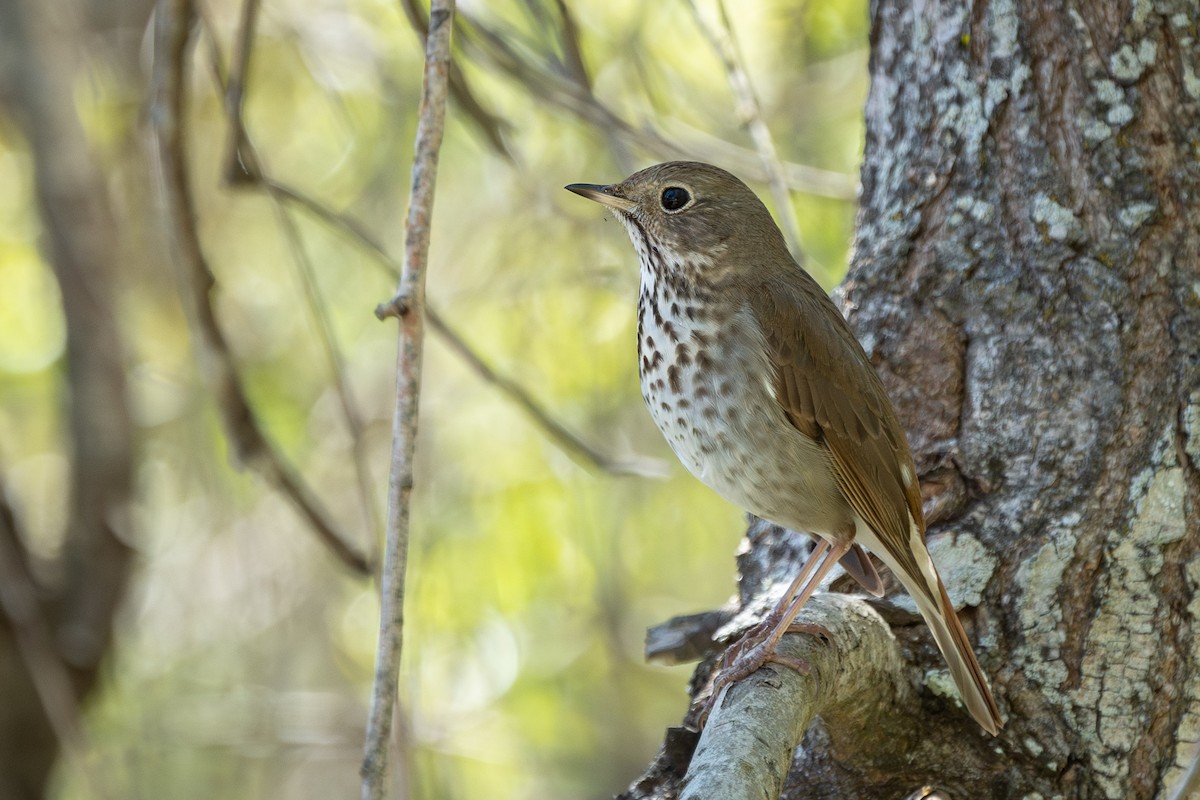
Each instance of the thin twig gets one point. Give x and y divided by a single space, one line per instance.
562 92
577 72
244 162
492 126
557 431
645 467
749 112
241 165
242 425
409 304
333 353
243 168
572 51
800 177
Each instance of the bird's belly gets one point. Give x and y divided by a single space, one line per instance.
728 429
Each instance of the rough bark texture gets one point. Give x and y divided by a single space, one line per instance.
1027 266
1027 280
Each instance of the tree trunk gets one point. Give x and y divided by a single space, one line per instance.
55 634
1027 280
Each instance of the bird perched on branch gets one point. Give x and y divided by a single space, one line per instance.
762 390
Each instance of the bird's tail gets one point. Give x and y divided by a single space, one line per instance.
924 585
956 649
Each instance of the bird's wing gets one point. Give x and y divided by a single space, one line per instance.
830 392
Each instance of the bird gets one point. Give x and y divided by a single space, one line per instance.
760 387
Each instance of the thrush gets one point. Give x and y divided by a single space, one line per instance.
764 393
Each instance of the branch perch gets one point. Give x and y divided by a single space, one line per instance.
854 678
874 727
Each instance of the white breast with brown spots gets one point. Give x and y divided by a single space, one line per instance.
696 374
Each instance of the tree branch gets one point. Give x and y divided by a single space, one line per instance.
409 304
60 635
746 747
557 431
241 163
493 127
573 97
646 467
34 641
242 426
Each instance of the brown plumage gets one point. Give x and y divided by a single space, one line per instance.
764 393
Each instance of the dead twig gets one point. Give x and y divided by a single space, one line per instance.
645 467
557 431
242 425
243 168
409 304
497 53
493 127
241 165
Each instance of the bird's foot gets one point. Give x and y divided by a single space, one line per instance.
755 648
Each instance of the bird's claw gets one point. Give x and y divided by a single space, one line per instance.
748 654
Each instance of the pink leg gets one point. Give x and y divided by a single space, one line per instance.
757 646
785 602
833 556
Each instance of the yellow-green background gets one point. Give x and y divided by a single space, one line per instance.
244 653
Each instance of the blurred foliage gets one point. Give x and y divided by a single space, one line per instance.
245 653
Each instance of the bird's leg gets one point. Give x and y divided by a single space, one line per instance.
762 631
757 646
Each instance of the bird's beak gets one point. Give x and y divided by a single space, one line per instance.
604 195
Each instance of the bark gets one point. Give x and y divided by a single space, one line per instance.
1027 279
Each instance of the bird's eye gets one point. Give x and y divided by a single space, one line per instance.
675 198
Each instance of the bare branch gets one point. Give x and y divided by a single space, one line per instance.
343 223
800 177
242 426
410 296
646 467
53 641
571 48
573 97
557 431
749 111
337 364
492 126
746 747
243 168
241 164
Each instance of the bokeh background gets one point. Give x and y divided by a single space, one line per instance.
244 651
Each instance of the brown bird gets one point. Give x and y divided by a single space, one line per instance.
762 390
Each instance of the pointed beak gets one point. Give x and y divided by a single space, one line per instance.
604 195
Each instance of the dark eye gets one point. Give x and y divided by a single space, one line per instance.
675 198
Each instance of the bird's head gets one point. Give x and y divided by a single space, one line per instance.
690 219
